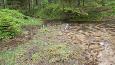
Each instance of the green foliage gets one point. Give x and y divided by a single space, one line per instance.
111 4
73 13
30 21
50 11
92 14
9 24
12 13
89 12
56 9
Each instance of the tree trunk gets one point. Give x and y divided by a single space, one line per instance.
83 2
78 2
4 3
103 2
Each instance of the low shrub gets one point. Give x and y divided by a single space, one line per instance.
55 11
9 23
49 11
12 13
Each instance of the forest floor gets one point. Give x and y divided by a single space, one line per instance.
62 44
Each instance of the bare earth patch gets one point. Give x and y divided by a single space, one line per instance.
28 34
66 44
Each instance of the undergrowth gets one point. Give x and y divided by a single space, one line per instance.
38 51
11 22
